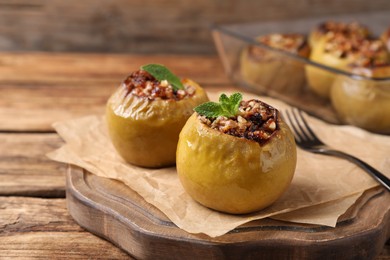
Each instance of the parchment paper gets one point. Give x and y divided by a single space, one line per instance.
325 214
318 179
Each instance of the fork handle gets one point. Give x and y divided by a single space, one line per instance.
365 166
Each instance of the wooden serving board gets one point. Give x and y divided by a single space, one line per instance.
113 211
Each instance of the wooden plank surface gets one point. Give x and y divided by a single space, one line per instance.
36 228
32 86
35 67
24 168
42 229
179 26
39 89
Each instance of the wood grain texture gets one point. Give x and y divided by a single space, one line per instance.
37 67
24 168
115 212
37 89
34 228
151 26
40 89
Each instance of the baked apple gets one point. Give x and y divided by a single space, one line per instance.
333 45
269 69
236 156
146 113
335 51
365 102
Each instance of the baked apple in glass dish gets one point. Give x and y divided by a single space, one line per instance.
365 101
236 156
333 45
263 67
147 112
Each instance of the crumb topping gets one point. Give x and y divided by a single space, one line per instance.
362 52
255 121
292 43
340 46
287 42
142 84
349 30
372 53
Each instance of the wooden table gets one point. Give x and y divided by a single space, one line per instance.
37 89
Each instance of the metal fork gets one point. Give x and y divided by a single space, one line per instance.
307 140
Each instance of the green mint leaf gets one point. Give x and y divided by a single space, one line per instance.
227 106
209 109
223 99
161 73
235 100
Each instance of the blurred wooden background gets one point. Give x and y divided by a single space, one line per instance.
146 26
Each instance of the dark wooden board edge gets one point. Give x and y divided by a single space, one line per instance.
144 232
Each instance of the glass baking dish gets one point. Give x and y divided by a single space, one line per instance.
285 75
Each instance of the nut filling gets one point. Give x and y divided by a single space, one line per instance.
255 121
292 43
347 29
289 42
361 52
142 84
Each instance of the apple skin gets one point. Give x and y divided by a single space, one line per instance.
234 175
363 102
320 80
144 132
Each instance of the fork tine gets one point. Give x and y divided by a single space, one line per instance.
298 117
298 136
308 128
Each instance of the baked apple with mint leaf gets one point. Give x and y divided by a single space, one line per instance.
236 156
147 112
